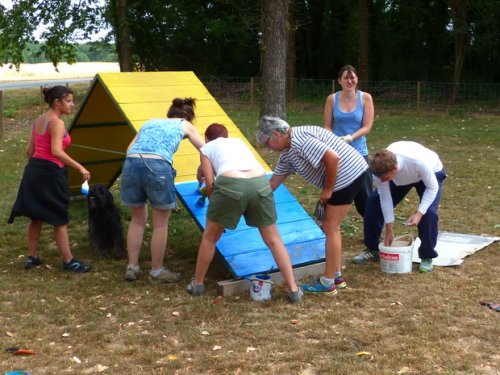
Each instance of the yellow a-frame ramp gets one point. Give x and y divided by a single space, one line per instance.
113 111
116 106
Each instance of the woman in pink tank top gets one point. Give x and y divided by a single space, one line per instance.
43 194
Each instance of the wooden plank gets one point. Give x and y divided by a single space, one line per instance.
145 94
232 287
281 194
99 107
288 212
262 261
239 242
158 108
173 78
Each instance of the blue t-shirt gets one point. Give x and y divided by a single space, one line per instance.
159 137
345 123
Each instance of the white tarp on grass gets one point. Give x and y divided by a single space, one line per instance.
454 247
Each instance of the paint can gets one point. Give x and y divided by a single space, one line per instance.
397 258
260 287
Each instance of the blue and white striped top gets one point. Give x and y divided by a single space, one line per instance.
308 145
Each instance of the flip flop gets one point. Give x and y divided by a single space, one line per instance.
492 305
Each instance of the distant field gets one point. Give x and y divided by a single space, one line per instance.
47 71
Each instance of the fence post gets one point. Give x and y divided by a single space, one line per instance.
333 86
41 100
418 96
251 91
1 114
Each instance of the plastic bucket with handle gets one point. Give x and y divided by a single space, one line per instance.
260 287
397 258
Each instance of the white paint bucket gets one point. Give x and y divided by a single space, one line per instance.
397 258
260 287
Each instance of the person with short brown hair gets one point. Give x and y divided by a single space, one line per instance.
397 169
383 161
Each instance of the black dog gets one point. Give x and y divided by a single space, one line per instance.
105 225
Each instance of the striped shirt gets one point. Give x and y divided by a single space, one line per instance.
308 145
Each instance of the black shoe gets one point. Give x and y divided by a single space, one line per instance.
32 262
76 266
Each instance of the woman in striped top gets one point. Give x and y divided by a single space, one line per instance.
330 164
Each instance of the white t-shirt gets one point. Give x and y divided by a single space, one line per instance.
230 154
415 163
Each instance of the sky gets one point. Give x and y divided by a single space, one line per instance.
6 3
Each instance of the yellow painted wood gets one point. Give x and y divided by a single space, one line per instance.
99 107
148 78
158 109
116 107
146 94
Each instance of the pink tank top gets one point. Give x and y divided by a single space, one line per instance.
43 146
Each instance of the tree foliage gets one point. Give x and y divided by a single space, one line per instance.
55 25
429 40
209 37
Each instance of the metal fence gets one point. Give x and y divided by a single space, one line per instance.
387 95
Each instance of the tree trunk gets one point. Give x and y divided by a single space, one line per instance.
364 44
290 54
122 36
459 9
273 51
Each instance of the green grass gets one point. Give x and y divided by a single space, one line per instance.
412 323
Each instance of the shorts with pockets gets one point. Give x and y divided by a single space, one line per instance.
251 198
148 179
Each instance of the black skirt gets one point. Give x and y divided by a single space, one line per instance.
43 193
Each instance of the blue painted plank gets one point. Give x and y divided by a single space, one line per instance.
262 260
245 241
282 194
286 212
244 251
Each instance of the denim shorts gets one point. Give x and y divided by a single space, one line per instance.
234 197
146 180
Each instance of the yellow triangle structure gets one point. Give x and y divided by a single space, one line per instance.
116 106
113 111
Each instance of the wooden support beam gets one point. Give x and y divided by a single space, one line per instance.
232 287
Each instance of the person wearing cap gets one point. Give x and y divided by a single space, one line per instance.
397 169
330 164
